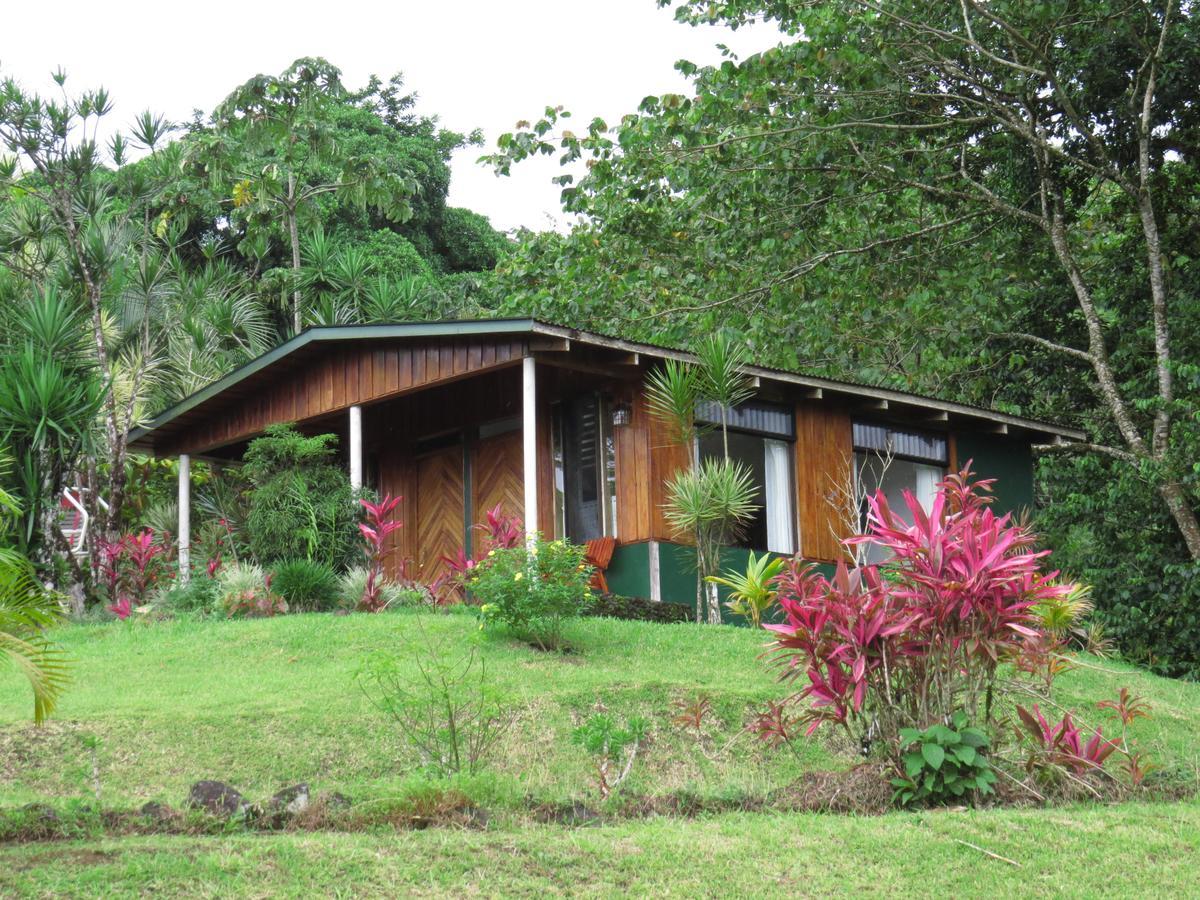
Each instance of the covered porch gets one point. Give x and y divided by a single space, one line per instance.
456 425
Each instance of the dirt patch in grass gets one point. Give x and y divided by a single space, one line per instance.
861 790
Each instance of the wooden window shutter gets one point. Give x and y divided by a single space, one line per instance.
824 455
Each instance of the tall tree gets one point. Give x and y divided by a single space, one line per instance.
273 146
882 136
64 230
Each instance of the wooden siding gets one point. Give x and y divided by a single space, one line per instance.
497 476
646 460
824 454
439 511
344 376
395 430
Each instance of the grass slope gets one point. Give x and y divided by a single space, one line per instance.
271 702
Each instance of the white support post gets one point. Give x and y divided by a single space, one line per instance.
529 443
185 517
655 573
356 454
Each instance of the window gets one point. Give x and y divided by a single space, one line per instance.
761 437
585 469
893 461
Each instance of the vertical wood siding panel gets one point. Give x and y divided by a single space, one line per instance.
393 370
432 371
404 375
418 366
338 369
824 449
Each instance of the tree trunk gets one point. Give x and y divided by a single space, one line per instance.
1185 516
294 236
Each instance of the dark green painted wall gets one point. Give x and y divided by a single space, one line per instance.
628 575
1008 460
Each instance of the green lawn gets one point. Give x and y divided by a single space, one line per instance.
265 703
1134 850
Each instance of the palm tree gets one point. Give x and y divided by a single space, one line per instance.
26 609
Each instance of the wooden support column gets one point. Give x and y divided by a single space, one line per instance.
529 443
356 448
185 517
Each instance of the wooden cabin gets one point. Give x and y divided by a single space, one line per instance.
551 423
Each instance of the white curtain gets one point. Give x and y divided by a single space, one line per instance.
927 485
778 499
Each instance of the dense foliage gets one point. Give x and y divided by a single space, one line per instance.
306 585
301 503
132 274
921 638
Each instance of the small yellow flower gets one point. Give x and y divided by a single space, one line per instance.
518 576
491 553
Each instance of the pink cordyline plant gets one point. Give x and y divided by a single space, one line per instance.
375 530
908 642
1062 743
132 566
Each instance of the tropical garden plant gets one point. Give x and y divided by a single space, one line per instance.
711 501
301 505
532 589
613 746
752 592
921 638
26 610
376 531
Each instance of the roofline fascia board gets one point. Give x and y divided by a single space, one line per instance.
821 385
324 333
816 387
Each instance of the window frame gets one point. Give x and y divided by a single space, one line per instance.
705 425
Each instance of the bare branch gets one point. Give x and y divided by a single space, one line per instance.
1048 345
1088 447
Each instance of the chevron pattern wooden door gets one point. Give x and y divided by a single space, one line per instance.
497 476
440 510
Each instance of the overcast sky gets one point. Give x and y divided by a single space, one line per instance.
475 64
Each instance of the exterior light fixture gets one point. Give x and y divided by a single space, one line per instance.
622 413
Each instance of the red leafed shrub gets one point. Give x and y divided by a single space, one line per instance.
133 566
907 643
375 530
1062 743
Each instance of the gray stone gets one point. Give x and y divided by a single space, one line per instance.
217 799
289 801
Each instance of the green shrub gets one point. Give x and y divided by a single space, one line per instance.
307 586
242 591
445 708
943 764
638 609
301 504
353 584
198 595
612 746
532 590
